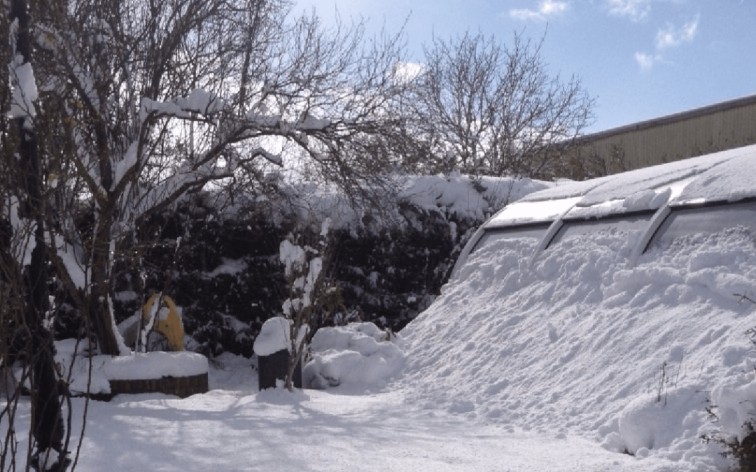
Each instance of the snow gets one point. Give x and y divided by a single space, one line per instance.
523 212
629 184
722 176
274 336
621 185
129 160
575 345
734 402
303 273
201 101
292 257
311 123
730 181
24 89
559 367
654 421
234 428
264 121
359 355
198 101
228 267
459 195
153 365
562 367
453 195
578 359
23 84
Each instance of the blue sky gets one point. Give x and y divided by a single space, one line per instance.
640 59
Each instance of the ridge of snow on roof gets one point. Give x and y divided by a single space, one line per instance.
725 175
734 179
525 212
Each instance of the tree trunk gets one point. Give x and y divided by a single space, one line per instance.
47 427
47 421
99 310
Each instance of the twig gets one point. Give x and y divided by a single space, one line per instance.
743 296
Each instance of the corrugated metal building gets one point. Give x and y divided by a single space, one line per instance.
692 133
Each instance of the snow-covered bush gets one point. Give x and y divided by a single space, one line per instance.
650 423
303 266
227 276
358 355
732 408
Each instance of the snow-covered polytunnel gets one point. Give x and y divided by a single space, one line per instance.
617 309
655 204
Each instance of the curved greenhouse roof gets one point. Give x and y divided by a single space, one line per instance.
640 201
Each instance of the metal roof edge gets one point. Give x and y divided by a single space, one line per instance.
669 119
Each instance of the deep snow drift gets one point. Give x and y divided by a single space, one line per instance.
582 343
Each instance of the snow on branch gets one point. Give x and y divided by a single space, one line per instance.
269 156
24 89
198 102
264 121
310 123
305 123
23 84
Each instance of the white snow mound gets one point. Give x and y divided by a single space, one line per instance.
358 354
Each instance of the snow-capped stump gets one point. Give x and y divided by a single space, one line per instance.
274 336
272 347
358 354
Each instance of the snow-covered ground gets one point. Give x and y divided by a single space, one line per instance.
235 428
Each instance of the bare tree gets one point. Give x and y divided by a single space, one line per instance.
485 108
146 101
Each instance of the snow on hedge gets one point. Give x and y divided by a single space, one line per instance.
464 196
461 196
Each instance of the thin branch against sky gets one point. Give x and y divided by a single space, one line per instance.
641 58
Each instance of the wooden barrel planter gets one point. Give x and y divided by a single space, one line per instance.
101 377
173 373
179 386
